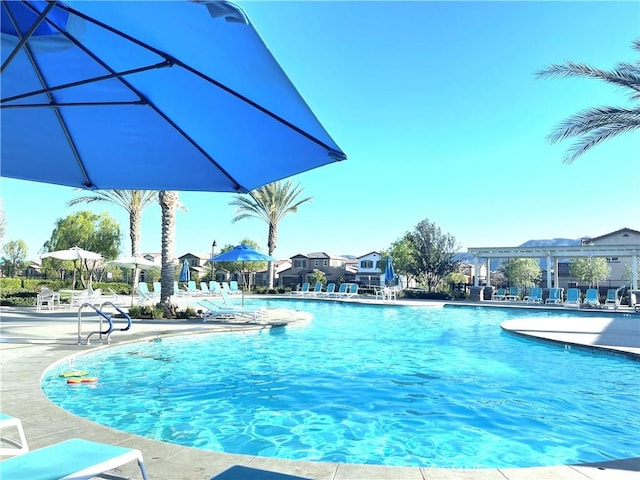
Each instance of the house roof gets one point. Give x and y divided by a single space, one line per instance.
617 232
367 254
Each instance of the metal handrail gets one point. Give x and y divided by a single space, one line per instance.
102 315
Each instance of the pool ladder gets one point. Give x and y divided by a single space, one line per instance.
102 317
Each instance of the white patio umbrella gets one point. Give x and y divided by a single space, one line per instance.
137 263
74 254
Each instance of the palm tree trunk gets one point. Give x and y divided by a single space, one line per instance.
134 234
168 203
271 246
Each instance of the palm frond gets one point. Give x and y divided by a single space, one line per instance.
595 137
593 119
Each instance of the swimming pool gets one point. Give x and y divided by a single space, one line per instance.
370 384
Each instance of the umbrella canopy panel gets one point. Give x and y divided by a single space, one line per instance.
149 88
185 272
243 253
73 253
389 273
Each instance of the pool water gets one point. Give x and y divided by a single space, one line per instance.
388 385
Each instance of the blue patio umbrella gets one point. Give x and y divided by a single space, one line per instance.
130 95
389 274
242 253
185 273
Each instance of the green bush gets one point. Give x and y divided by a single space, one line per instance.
424 295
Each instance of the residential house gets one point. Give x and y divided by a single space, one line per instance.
262 278
198 263
336 268
368 270
620 266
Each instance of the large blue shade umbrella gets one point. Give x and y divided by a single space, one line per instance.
389 274
185 273
133 94
243 253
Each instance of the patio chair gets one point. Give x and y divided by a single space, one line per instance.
573 298
15 447
47 297
145 296
216 312
535 295
331 288
304 289
214 287
317 289
555 296
76 458
157 288
500 294
341 292
233 288
612 298
192 289
513 295
352 290
592 297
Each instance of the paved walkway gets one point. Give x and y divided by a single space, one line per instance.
30 341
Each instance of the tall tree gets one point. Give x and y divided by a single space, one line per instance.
87 230
133 201
270 203
591 270
521 272
433 253
595 125
168 203
15 255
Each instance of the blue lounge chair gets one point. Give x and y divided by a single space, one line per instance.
352 290
76 458
16 447
612 298
330 290
342 291
233 288
500 294
555 296
573 298
535 295
317 289
304 289
513 295
214 287
592 297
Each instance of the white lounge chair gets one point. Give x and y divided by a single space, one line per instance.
75 459
573 298
220 312
15 447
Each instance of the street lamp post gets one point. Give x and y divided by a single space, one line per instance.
213 262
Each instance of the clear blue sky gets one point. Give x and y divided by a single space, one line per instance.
437 107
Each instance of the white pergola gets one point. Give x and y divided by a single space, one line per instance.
554 254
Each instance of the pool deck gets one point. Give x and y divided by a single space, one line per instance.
31 341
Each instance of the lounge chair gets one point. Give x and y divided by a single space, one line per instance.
176 290
535 295
341 292
592 297
157 287
75 459
612 298
513 295
233 288
352 290
15 447
385 293
573 298
47 297
304 289
500 294
330 290
145 295
214 287
216 312
555 296
192 289
317 289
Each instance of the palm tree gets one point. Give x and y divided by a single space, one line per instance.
270 203
168 203
133 201
597 124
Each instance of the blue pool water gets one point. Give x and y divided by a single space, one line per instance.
369 384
